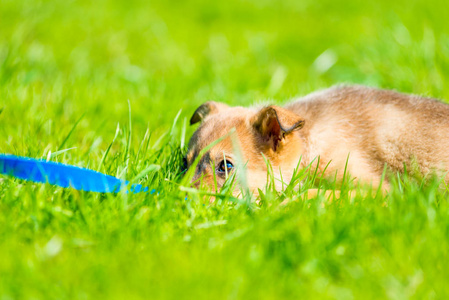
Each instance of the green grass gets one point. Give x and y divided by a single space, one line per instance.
67 72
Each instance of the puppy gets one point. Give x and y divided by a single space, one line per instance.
354 127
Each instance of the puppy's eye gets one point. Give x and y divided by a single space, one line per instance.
223 166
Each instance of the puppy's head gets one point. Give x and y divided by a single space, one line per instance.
269 131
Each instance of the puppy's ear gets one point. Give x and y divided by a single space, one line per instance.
273 123
208 108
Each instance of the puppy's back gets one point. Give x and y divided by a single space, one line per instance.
382 126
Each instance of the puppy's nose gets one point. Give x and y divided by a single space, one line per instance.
196 182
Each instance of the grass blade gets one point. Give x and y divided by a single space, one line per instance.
109 148
70 133
128 143
59 152
150 168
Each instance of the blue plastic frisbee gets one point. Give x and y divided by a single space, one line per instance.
63 175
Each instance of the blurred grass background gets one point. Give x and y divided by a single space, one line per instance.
64 61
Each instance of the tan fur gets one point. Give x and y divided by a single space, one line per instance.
374 127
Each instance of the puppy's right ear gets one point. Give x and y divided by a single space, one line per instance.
273 123
208 108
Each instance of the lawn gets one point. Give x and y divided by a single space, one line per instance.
111 85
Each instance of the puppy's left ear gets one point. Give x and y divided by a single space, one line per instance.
208 108
273 123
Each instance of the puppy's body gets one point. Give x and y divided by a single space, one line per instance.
365 127
375 127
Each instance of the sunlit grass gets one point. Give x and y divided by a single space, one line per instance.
110 85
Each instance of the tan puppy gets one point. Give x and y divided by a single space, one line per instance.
373 127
